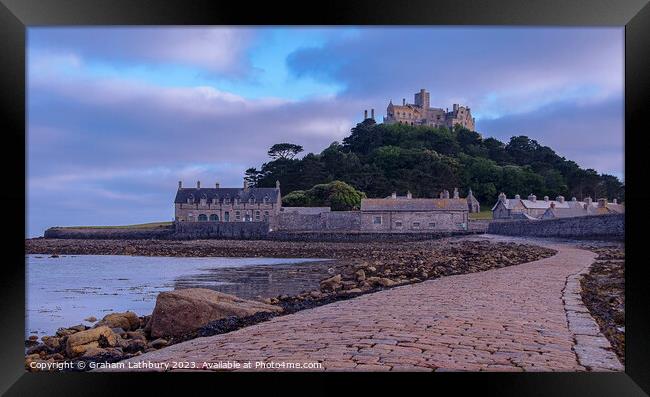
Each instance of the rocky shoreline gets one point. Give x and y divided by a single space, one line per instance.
603 293
359 269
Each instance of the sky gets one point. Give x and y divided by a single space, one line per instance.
117 116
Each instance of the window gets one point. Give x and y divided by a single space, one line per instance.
257 215
432 225
416 225
214 218
376 220
251 200
266 199
227 200
203 217
266 215
247 217
226 216
398 224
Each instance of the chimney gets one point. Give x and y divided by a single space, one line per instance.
180 185
615 201
455 106
198 184
588 200
393 195
532 198
216 185
517 197
409 195
277 184
446 194
245 184
456 193
545 198
403 101
372 114
365 114
602 202
574 199
502 196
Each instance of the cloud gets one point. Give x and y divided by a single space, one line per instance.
588 133
221 50
494 70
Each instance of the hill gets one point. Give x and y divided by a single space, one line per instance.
379 159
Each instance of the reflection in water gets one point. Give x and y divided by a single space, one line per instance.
261 281
63 291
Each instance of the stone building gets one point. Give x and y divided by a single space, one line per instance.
472 202
420 113
217 204
532 208
408 214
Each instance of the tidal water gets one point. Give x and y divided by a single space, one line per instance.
63 291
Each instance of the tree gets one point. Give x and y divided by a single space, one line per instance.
297 198
284 151
338 195
252 176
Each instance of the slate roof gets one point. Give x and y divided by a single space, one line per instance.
419 204
231 192
564 212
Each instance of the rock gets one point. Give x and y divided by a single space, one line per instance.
119 331
347 285
136 335
52 342
135 345
33 338
182 311
383 281
78 327
65 331
316 294
78 343
371 269
354 291
39 349
331 283
128 321
360 275
109 354
91 319
158 343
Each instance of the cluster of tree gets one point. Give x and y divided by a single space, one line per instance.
337 195
379 159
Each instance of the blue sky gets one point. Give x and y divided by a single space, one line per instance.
116 116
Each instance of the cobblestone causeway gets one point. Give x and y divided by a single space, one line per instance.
508 319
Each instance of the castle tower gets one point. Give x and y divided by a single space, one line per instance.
422 98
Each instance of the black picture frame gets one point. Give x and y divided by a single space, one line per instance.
17 15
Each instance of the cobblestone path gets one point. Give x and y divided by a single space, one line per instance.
527 317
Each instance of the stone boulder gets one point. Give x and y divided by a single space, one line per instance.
185 310
128 321
331 284
78 343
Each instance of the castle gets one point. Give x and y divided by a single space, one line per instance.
420 113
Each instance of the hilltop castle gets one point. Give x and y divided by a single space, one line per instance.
420 113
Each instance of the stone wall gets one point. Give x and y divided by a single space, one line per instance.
340 236
610 227
122 233
221 230
325 221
